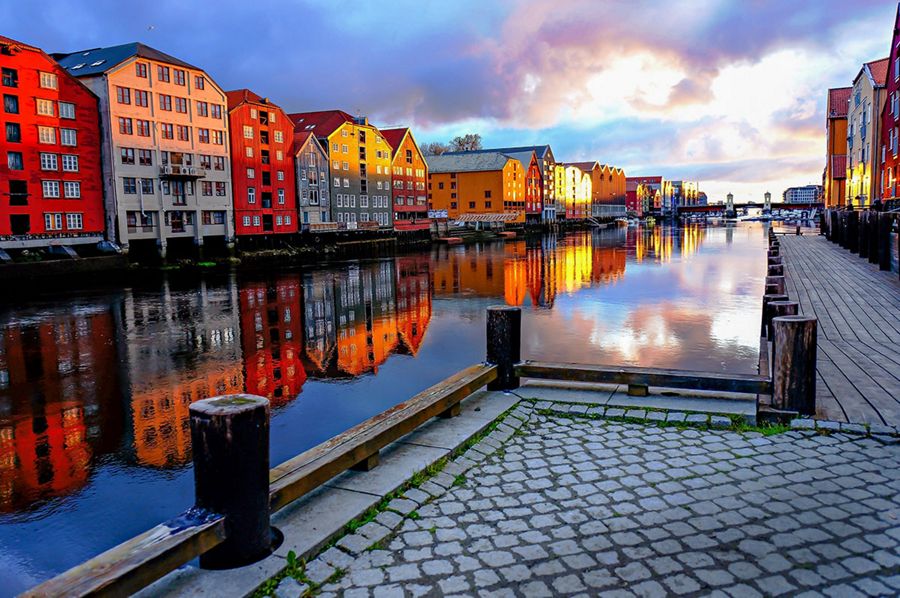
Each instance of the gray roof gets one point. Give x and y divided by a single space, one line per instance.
540 150
99 60
467 162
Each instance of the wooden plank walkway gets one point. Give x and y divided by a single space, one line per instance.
858 307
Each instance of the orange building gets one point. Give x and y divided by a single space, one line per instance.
413 301
477 187
834 179
409 173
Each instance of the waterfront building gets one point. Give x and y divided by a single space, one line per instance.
360 167
633 198
607 199
657 193
618 185
804 194
313 183
262 166
684 193
413 301
166 159
864 133
890 121
51 186
473 185
409 173
834 178
702 199
574 190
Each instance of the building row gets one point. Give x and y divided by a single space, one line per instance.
134 146
862 128
657 195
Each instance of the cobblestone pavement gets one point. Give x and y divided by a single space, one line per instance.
569 506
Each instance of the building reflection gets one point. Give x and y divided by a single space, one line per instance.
661 243
57 414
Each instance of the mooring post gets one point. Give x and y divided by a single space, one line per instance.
853 232
776 270
230 442
504 345
834 227
774 251
780 308
764 327
863 244
778 281
794 364
775 259
874 224
884 242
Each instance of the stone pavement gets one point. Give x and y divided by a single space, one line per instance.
558 504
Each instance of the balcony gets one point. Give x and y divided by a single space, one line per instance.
172 171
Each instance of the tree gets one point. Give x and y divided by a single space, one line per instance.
435 148
466 143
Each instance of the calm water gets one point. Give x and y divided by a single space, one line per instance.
95 386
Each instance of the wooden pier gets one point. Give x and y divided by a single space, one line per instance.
858 309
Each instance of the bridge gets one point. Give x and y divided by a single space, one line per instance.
742 206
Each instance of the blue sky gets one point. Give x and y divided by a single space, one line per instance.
731 93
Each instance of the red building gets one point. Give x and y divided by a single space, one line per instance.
534 190
51 189
890 120
409 173
262 166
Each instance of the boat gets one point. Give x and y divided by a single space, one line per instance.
622 221
650 221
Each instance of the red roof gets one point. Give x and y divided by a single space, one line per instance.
240 96
879 70
6 41
323 123
839 166
838 102
394 136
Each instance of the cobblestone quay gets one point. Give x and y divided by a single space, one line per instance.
565 505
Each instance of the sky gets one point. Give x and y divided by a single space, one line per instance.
730 93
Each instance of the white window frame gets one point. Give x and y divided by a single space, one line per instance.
68 137
72 189
74 221
50 189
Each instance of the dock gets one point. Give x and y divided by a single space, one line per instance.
857 305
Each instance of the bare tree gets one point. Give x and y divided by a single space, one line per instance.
435 148
466 143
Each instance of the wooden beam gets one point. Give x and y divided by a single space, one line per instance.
138 562
665 378
309 470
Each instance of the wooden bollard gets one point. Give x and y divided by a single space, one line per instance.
863 244
884 242
778 309
774 251
834 226
772 288
776 270
778 281
853 232
776 259
794 364
504 342
764 324
874 224
230 441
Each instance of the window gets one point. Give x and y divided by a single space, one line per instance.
74 221
279 220
251 173
143 128
199 81
184 133
45 135
11 104
48 161
167 131
203 135
251 194
50 188
48 81
344 149
72 189
140 69
123 95
68 137
280 175
179 77
487 204
287 220
219 163
52 221
215 110
256 221
126 127
146 186
281 196
346 182
14 161
440 185
66 110
206 188
45 107
340 200
248 151
246 220
202 108
279 136
264 137
487 193
165 102
248 132
162 73
472 205
220 189
218 137
181 105
127 155
10 77
70 162
129 185
345 165
13 132
334 147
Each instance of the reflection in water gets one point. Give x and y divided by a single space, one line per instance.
108 381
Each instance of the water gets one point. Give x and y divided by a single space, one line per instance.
95 384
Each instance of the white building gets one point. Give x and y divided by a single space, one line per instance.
805 194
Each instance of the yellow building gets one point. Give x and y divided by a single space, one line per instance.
477 187
573 190
166 167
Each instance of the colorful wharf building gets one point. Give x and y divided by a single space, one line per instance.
864 133
262 160
313 183
409 173
51 186
834 178
890 121
360 167
166 167
479 187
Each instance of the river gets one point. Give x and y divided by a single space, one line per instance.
95 382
